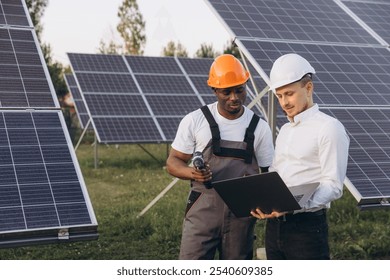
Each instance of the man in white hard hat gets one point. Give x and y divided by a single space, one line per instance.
311 147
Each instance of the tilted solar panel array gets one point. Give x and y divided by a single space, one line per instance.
376 14
141 99
369 153
347 43
43 197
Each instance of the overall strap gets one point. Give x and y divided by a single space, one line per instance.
247 154
216 137
250 137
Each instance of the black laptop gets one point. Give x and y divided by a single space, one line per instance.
266 191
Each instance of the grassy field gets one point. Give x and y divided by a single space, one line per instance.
128 179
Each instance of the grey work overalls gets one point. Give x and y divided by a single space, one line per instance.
209 225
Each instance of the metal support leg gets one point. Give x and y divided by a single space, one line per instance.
82 135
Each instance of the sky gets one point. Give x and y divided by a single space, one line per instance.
79 25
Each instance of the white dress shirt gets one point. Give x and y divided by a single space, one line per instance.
313 148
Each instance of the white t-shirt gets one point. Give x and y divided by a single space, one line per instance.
194 133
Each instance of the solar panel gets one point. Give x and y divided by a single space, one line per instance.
12 12
344 41
41 189
43 197
145 102
300 20
375 14
369 153
23 81
81 111
345 75
153 65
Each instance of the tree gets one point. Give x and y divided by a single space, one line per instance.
206 51
109 48
173 49
36 9
231 48
131 27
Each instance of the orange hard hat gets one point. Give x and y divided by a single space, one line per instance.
227 71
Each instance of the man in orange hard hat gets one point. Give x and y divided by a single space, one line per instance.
232 142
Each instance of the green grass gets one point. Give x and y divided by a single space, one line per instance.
128 179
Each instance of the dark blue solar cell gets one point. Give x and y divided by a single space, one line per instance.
9 196
18 120
73 214
7 175
148 65
5 155
44 120
10 88
41 216
201 85
2 18
22 137
2 125
62 172
31 174
67 192
164 84
383 186
98 63
173 104
51 136
56 153
11 219
36 194
9 71
106 83
26 154
110 104
169 126
127 130
196 66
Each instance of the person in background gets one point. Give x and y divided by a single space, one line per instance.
310 147
234 142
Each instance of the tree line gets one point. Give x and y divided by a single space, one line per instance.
131 28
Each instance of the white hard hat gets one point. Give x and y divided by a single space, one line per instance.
287 69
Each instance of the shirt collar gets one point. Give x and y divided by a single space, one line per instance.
307 114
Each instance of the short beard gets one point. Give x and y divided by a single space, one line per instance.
236 111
